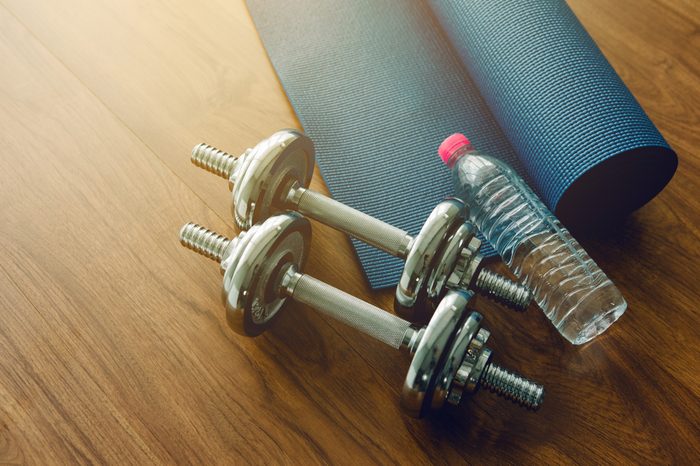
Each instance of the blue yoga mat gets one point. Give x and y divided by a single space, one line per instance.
378 84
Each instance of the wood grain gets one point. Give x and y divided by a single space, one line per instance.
113 343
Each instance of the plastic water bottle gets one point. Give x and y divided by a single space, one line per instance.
573 292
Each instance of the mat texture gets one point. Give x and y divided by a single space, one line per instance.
377 84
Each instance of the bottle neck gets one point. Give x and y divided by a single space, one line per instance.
459 154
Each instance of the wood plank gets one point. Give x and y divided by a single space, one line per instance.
175 96
118 351
88 224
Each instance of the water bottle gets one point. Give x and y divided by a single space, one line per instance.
573 292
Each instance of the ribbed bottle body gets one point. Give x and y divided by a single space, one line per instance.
567 284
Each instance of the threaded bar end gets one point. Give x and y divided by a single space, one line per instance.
213 160
206 242
512 386
504 290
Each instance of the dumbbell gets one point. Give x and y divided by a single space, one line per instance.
274 176
262 268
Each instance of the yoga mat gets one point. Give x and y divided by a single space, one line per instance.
377 85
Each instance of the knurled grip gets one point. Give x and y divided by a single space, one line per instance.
350 310
364 227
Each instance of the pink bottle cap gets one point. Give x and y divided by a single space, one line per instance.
451 145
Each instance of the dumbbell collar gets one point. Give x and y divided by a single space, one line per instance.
467 267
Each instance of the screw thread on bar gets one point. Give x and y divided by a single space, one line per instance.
512 386
213 160
203 241
512 294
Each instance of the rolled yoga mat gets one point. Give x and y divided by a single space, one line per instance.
378 84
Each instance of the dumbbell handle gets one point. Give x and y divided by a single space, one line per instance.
347 309
366 228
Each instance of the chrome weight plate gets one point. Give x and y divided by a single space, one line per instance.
447 258
252 280
458 350
421 260
434 347
272 165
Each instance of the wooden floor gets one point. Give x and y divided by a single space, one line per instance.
113 343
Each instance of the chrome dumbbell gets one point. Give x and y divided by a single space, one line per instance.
274 176
262 268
